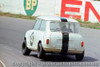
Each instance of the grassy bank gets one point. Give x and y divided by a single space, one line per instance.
18 16
82 23
89 24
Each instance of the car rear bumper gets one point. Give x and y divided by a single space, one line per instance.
75 51
52 50
59 51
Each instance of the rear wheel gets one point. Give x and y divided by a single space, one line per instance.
40 51
79 57
25 50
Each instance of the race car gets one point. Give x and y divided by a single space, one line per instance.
52 34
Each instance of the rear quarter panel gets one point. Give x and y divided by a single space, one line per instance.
27 36
75 42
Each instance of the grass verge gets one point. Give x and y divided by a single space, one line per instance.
18 16
89 24
82 23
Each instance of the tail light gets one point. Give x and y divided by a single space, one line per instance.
82 44
47 41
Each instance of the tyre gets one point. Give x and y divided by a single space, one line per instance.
40 51
79 57
25 50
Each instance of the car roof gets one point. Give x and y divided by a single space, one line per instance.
56 18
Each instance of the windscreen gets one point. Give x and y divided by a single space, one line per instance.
64 27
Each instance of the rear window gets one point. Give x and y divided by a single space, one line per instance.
64 27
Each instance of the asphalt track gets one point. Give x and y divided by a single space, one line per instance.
12 31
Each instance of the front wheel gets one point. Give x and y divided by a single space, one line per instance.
79 57
25 50
40 51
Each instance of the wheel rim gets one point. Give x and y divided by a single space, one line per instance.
23 47
39 50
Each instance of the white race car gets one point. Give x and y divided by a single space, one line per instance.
52 34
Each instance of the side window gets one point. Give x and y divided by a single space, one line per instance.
43 25
76 25
71 29
37 24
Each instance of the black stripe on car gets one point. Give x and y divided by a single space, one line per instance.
63 19
65 40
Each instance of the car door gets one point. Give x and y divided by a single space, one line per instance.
39 33
34 34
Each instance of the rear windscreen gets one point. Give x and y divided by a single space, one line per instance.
64 27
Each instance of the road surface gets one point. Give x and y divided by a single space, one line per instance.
11 37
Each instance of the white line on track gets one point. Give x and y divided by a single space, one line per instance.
2 63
